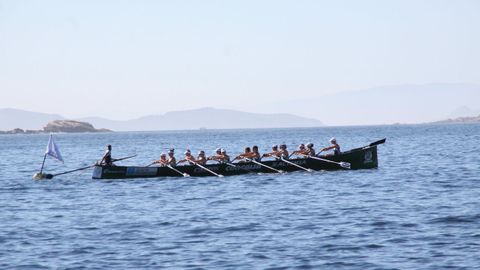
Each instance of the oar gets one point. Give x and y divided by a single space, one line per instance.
206 169
170 167
50 176
263 165
342 164
182 173
296 165
151 164
118 159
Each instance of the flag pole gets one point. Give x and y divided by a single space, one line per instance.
43 163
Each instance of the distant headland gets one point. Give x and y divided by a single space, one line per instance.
59 126
460 120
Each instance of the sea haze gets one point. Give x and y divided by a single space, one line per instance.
418 210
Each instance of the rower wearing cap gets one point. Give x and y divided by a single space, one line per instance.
274 153
283 151
188 157
171 158
201 159
218 155
162 161
335 147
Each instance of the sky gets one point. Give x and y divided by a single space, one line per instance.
125 59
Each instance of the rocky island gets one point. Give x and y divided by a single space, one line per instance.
460 120
56 126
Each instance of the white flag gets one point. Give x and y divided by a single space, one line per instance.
52 150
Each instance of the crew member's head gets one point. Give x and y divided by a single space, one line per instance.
275 147
188 153
255 149
109 147
247 150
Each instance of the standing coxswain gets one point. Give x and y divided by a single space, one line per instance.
107 157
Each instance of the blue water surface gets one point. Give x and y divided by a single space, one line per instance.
419 210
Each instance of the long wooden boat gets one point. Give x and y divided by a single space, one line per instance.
359 158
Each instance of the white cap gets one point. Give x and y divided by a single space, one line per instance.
224 151
332 140
274 146
218 150
188 151
163 155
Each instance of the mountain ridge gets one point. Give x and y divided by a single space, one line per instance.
207 117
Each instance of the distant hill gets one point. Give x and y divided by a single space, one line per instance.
409 103
209 118
460 120
13 118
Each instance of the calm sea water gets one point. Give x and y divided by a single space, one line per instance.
419 210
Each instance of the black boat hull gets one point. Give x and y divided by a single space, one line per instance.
359 158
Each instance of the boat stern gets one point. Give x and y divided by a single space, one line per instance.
97 172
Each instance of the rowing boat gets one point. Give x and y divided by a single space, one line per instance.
359 158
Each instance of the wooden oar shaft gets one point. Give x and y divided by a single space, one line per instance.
118 159
296 165
342 164
173 169
263 165
76 170
206 169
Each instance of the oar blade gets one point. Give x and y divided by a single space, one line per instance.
346 165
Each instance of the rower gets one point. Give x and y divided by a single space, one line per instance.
162 161
283 151
310 150
335 147
301 150
225 156
171 158
256 155
107 157
246 154
201 159
274 153
188 157
218 155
